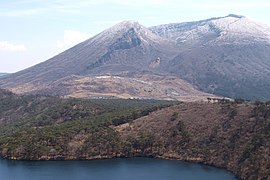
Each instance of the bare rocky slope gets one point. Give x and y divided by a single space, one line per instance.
226 56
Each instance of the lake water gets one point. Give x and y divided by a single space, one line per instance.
110 169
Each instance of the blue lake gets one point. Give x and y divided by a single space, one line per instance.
110 169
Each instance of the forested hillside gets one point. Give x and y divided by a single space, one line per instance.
39 127
232 135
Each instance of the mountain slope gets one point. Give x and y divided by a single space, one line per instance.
128 51
226 56
127 46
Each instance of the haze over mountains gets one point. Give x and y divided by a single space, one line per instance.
226 56
3 74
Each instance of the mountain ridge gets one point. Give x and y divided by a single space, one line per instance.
225 56
219 26
3 74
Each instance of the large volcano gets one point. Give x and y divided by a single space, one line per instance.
227 56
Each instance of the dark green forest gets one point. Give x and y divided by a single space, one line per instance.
33 126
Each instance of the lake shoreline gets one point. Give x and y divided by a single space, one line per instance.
99 157
116 168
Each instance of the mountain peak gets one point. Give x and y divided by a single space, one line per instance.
127 25
235 16
122 27
230 16
130 32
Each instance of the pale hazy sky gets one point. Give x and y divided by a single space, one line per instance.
32 31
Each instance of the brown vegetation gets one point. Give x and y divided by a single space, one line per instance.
231 135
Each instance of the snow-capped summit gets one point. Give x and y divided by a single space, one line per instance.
129 30
226 29
240 27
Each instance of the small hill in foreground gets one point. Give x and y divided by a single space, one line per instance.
227 134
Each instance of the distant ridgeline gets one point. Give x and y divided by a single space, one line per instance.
226 134
3 74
